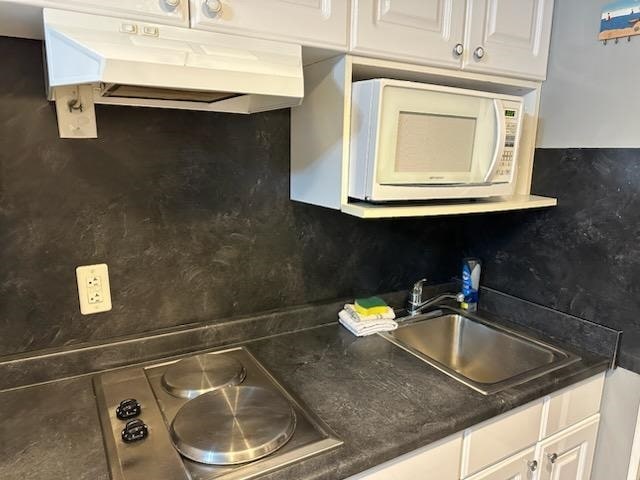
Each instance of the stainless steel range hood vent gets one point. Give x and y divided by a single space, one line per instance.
94 59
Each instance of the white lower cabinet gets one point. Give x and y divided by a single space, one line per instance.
568 455
552 438
569 406
521 466
439 461
501 437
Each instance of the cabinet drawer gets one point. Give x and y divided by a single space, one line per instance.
439 460
567 407
501 437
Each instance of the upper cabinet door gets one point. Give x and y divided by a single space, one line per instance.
170 12
319 23
508 37
418 31
569 455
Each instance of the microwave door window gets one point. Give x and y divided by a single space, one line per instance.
435 148
434 138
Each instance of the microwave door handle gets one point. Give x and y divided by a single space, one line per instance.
500 139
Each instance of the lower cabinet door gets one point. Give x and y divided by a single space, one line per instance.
520 466
569 454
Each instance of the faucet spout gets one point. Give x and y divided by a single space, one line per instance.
417 305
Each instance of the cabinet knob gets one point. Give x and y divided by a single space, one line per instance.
458 49
479 53
552 457
171 3
212 7
532 465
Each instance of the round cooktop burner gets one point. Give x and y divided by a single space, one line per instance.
233 425
193 376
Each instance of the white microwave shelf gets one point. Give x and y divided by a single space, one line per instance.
321 138
481 205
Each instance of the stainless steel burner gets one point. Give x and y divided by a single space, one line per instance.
191 377
233 425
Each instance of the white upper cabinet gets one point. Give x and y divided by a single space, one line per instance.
171 12
419 31
317 23
501 37
509 38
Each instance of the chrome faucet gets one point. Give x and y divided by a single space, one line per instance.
417 305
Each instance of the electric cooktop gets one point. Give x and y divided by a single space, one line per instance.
217 415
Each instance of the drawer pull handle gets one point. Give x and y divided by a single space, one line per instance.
533 465
552 457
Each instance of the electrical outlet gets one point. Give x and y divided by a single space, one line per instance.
94 292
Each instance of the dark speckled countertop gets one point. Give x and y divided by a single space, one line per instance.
380 400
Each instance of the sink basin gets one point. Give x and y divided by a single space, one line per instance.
484 356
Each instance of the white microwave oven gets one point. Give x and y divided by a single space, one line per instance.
415 141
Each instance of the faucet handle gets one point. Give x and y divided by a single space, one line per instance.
416 294
417 287
415 298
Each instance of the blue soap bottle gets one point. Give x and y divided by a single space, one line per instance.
471 268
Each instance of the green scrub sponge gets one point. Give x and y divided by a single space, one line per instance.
370 306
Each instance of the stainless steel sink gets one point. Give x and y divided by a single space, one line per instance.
483 355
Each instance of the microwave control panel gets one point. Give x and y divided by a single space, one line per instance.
505 165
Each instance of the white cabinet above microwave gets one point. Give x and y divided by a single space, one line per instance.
417 141
503 37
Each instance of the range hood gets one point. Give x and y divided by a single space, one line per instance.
95 59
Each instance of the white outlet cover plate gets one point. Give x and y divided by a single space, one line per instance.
94 292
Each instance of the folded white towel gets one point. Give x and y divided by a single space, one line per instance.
353 322
389 314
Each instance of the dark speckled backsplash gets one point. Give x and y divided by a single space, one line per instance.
190 210
582 257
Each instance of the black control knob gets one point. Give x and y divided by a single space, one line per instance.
128 408
134 431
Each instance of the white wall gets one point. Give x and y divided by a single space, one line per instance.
620 404
592 94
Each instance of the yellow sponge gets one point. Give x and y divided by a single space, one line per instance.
370 306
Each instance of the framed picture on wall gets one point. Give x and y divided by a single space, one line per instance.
620 19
